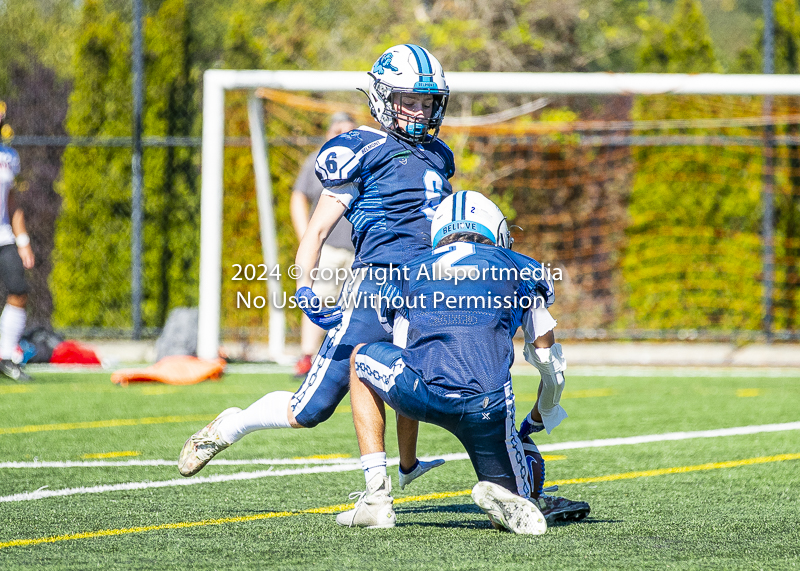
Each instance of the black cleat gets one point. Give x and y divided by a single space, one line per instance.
558 509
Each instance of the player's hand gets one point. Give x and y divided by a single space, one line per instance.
311 304
529 426
26 253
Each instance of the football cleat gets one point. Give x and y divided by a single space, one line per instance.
373 508
558 509
507 510
13 371
203 445
419 470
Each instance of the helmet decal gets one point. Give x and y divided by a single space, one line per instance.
385 62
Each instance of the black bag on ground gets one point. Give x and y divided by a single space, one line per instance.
44 341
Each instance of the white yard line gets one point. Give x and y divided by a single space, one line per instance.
220 462
736 431
46 493
345 465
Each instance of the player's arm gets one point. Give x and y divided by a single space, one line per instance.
328 212
544 353
533 422
302 196
298 210
338 168
325 217
20 232
547 356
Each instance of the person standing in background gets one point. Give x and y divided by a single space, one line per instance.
338 250
16 256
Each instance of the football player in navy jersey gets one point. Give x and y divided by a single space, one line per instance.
387 182
458 308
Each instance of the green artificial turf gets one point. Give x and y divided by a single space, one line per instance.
740 516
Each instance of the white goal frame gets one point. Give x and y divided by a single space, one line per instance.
217 82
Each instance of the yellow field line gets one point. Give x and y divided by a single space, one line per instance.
680 469
322 457
105 423
426 497
126 453
748 393
14 389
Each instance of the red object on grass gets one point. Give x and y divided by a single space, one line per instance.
73 353
173 370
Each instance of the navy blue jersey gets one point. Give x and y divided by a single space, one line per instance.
391 190
460 334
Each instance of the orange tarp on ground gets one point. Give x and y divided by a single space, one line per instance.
175 370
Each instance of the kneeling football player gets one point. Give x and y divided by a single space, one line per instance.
453 324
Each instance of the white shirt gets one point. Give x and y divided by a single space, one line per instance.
9 169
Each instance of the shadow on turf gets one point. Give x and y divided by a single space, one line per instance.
473 509
457 509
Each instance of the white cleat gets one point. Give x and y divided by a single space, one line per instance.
203 446
374 507
422 467
508 510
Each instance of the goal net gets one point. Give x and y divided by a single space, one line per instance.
671 203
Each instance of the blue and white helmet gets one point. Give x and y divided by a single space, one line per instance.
470 211
407 68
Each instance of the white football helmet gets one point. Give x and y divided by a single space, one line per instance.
407 68
470 211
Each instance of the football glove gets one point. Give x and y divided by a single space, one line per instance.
529 426
311 304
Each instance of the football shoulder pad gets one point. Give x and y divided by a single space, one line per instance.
340 159
536 280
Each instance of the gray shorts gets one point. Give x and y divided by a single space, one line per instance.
12 271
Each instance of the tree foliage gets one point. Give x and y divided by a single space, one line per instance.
787 160
692 259
91 277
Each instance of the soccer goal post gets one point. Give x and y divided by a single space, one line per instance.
218 82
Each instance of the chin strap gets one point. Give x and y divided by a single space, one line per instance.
551 364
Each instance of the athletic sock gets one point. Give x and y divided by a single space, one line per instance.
270 411
12 325
372 464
